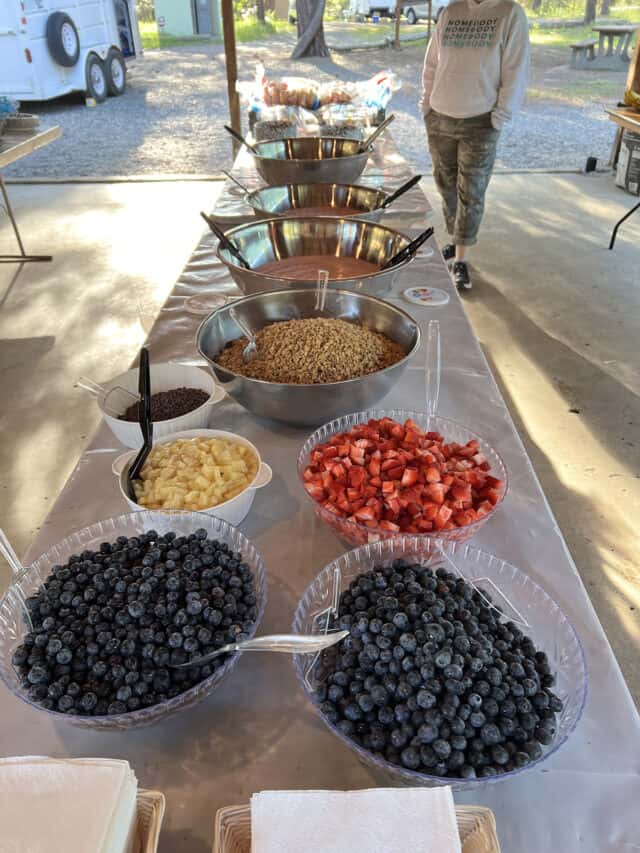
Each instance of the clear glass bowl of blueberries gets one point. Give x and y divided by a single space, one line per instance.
96 629
459 669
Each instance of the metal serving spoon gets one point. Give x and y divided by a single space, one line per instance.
250 352
300 644
366 143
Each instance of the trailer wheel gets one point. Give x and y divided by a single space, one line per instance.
96 78
412 18
63 40
116 72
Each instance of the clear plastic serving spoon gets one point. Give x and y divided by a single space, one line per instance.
294 644
114 401
250 352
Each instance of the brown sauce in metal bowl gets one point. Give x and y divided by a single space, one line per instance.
306 267
325 210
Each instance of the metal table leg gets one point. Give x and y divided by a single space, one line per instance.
23 257
614 233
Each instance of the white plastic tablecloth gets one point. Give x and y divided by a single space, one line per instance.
258 731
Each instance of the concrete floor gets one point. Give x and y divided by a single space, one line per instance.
557 314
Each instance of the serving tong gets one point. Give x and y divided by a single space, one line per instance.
409 250
228 244
144 419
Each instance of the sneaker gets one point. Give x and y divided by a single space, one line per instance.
448 252
460 274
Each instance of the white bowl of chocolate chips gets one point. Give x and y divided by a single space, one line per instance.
181 399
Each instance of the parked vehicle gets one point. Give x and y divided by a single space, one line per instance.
420 11
362 9
49 48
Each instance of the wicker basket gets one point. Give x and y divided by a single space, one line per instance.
150 814
476 825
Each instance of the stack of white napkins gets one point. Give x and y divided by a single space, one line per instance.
393 820
50 805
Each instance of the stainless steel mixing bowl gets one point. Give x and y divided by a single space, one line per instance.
294 199
310 159
306 405
275 239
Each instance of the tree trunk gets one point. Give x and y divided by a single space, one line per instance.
590 11
396 39
536 5
260 10
310 29
606 6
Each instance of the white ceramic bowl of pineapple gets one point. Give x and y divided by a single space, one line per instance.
201 470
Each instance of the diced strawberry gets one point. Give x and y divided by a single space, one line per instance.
479 458
339 472
374 467
308 475
429 510
432 475
425 525
343 449
393 505
397 431
316 491
436 492
395 473
330 452
444 514
467 516
409 477
493 482
353 494
492 495
387 487
388 463
327 479
365 513
357 476
461 492
389 525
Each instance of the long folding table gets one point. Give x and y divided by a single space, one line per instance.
258 731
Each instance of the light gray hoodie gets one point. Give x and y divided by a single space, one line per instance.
477 61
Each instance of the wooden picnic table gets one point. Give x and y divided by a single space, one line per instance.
618 38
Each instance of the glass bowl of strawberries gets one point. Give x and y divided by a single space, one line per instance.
377 474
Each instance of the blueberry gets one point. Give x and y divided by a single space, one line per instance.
38 675
88 702
365 702
442 659
410 758
65 704
425 699
441 747
427 733
490 734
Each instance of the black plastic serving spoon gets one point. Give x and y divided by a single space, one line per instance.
400 191
239 138
408 251
144 419
225 241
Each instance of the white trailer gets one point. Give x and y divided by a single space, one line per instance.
368 8
49 48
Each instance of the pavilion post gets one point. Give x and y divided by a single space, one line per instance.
231 62
633 78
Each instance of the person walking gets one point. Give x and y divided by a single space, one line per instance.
474 80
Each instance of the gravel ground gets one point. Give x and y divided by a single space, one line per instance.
170 119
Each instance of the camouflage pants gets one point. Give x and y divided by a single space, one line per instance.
463 151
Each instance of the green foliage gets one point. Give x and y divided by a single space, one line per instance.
145 10
334 10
